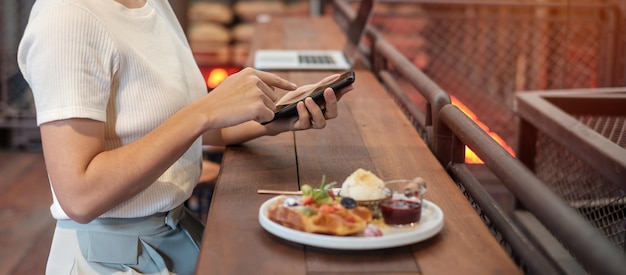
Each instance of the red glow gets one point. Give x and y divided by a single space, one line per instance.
470 156
215 75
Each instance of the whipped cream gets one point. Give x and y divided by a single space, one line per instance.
363 185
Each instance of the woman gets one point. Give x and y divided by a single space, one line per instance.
123 111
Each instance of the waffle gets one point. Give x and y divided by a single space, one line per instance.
342 222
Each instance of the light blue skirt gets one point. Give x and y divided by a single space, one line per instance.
164 243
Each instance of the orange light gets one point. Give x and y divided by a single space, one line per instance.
470 156
216 76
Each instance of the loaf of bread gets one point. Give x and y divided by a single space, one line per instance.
209 32
243 32
204 11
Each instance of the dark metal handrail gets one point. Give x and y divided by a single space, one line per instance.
384 53
582 240
451 130
523 247
548 112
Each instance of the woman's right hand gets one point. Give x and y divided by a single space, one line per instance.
246 95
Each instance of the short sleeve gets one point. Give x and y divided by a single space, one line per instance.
68 59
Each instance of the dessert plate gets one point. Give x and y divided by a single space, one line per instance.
430 224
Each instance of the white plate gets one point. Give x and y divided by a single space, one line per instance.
430 224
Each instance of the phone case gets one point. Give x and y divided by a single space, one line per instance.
317 95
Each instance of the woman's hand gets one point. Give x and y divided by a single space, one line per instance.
310 115
246 95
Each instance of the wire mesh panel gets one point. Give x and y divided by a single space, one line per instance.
579 151
598 200
483 52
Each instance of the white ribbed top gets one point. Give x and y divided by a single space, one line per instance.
130 68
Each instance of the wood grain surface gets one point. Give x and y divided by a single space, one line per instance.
370 133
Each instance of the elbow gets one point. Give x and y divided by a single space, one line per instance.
79 213
79 204
81 219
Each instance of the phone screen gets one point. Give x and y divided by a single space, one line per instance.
317 94
289 100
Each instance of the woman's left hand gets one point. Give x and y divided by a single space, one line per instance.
310 115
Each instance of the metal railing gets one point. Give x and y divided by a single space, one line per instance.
447 130
575 142
574 232
482 52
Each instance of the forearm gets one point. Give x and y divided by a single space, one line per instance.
89 181
308 111
238 134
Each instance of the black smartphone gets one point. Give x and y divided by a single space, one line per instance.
317 94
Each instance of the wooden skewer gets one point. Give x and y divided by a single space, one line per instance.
278 192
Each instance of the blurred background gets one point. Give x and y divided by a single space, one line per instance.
482 52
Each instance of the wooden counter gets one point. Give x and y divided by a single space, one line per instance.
370 133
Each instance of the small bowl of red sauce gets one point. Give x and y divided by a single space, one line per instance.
404 207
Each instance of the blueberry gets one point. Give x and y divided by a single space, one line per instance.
348 202
290 202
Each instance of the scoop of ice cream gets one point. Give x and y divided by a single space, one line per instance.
363 185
